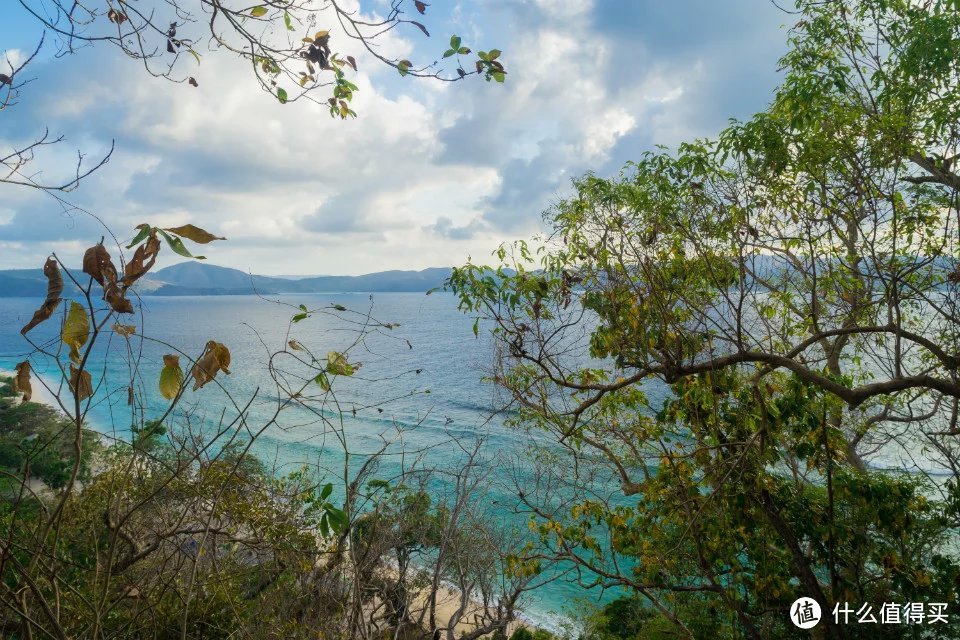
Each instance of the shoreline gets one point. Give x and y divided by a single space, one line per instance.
449 599
40 394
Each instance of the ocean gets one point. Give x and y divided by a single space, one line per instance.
421 386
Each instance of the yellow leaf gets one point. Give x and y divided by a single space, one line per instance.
196 234
337 364
258 12
171 377
320 34
76 329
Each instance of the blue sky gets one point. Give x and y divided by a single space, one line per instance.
429 173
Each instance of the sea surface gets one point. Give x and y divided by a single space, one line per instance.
420 387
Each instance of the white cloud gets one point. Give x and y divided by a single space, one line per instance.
429 173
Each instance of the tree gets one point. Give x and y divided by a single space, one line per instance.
292 49
173 528
793 285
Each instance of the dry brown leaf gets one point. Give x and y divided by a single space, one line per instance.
21 384
125 330
54 289
81 385
113 294
97 263
142 261
215 358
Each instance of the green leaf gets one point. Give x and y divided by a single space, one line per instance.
338 518
499 76
463 51
194 54
258 12
476 328
454 42
282 95
299 317
178 247
287 21
493 54
144 232
337 364
448 53
326 491
323 381
403 67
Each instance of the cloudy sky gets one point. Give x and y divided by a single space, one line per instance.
427 175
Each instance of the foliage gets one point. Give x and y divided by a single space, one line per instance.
35 440
794 284
180 531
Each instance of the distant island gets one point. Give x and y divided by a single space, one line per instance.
202 279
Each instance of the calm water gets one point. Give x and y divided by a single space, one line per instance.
452 363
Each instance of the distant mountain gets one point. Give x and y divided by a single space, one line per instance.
202 279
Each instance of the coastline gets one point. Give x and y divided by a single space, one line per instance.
40 393
448 601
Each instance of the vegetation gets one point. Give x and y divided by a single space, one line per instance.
35 441
795 283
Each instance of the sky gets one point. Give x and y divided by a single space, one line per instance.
429 173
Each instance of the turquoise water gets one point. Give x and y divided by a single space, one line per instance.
432 337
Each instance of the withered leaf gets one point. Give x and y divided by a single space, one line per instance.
352 62
421 6
21 383
190 232
5 79
116 16
142 261
421 27
113 294
97 263
125 330
192 81
215 358
81 385
54 289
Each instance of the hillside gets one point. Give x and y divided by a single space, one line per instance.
198 278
